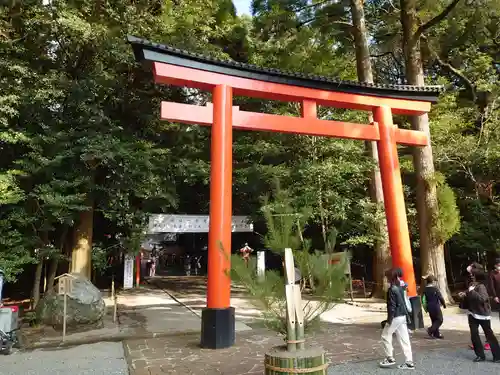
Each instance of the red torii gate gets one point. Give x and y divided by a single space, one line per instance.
224 79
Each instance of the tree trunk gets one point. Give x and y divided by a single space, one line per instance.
364 68
52 273
35 292
431 252
81 255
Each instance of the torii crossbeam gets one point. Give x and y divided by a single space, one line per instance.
224 79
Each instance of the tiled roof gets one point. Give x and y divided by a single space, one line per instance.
146 50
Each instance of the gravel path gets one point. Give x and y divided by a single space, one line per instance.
437 362
95 359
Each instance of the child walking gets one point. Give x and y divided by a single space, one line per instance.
432 302
397 315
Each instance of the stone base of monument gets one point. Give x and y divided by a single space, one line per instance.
310 361
85 307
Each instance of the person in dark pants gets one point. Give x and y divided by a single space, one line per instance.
434 300
474 266
494 284
477 302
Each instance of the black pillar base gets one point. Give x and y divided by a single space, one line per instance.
417 318
217 328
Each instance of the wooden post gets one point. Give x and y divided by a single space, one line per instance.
299 313
113 296
290 301
261 265
64 315
350 288
218 318
65 286
45 277
138 270
221 169
395 211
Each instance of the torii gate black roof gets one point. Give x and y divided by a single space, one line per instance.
147 51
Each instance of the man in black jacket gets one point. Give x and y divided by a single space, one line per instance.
477 302
397 317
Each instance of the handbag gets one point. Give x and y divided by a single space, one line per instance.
464 304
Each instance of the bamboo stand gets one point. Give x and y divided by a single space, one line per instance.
279 361
294 358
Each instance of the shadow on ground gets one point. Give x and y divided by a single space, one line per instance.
343 344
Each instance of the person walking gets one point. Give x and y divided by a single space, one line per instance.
471 269
433 302
1 286
154 258
494 284
477 302
397 318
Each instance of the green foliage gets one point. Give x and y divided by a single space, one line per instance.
79 123
448 221
269 294
13 253
283 221
99 259
132 241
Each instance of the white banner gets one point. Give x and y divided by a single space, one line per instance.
128 271
160 223
261 263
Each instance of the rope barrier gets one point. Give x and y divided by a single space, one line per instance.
295 341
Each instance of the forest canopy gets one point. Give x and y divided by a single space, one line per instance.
84 155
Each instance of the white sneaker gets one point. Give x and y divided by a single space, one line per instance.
407 366
387 362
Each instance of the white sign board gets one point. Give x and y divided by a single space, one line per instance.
65 285
160 223
261 263
128 272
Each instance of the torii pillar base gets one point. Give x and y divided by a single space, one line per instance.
218 328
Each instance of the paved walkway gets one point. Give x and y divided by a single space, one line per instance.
142 312
149 311
191 292
342 342
95 359
436 362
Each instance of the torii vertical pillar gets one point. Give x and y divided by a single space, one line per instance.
395 210
218 318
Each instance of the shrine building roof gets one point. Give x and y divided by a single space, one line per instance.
146 51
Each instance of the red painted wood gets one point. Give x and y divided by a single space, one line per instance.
394 201
189 77
242 120
221 172
411 137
